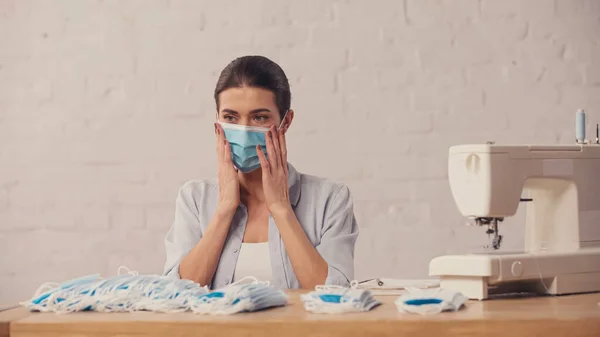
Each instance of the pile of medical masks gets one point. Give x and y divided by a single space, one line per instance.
122 293
430 301
132 292
336 300
236 298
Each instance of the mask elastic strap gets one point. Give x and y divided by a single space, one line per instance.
252 279
129 271
283 120
328 287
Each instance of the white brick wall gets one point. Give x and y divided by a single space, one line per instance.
106 109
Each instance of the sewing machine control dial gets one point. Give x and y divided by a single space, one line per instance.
517 268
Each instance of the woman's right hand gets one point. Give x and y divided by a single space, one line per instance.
229 186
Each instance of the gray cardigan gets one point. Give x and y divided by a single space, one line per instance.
324 208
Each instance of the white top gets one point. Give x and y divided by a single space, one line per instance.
254 260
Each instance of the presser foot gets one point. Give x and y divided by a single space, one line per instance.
495 239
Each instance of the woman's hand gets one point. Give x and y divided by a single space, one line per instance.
229 185
275 172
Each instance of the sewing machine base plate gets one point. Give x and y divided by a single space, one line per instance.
479 275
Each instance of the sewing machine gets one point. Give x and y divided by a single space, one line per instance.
560 185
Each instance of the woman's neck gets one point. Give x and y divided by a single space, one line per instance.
251 186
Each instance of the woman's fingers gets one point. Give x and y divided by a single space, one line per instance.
275 137
227 153
222 144
219 141
273 159
283 148
264 163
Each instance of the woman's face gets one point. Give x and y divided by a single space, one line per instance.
248 106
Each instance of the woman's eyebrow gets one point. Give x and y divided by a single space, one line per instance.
255 111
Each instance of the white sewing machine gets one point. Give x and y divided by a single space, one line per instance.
561 187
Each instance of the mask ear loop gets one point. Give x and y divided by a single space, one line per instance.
328 287
249 280
283 120
129 271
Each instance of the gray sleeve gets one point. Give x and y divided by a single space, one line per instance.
185 232
340 231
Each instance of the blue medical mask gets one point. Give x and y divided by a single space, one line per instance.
243 140
430 301
331 299
239 297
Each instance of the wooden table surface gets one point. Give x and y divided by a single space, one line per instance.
572 316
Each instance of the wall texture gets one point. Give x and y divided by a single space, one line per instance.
106 109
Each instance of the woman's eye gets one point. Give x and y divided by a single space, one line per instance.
229 118
260 118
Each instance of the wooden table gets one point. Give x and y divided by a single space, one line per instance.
572 316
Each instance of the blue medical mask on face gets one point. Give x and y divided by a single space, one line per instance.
243 140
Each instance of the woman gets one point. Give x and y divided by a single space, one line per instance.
261 218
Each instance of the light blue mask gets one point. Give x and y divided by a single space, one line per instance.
337 300
243 140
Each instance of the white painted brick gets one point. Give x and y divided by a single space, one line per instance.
349 36
395 257
497 40
4 200
569 8
524 74
483 74
381 55
514 99
25 88
566 73
532 9
347 12
250 15
281 37
315 113
402 78
413 168
302 59
133 241
574 98
126 216
440 12
311 11
141 262
466 120
140 195
44 251
159 217
381 213
591 74
106 109
362 190
456 99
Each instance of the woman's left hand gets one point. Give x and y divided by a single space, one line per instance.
275 171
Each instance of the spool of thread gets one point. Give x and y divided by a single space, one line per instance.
580 126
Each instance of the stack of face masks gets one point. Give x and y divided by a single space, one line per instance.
239 297
430 301
337 300
133 292
117 294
